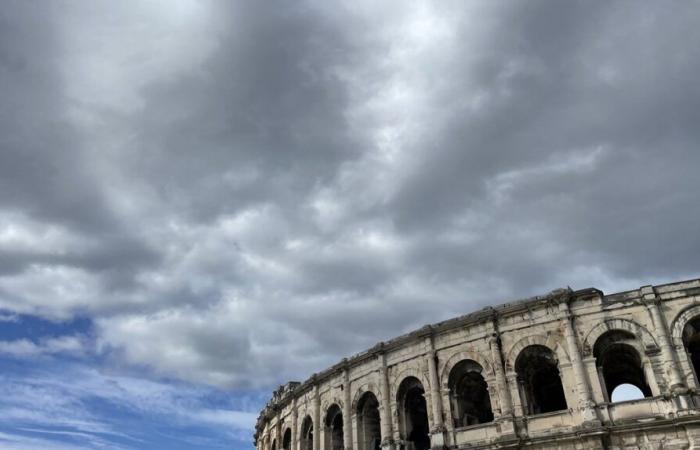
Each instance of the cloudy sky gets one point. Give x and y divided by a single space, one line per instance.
201 200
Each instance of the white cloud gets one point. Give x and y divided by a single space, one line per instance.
60 403
66 345
18 441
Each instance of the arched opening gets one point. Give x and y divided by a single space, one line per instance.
368 422
469 395
334 428
287 439
618 362
691 342
413 414
626 392
307 434
539 380
274 444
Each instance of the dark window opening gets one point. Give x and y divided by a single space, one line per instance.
691 341
539 380
287 440
368 422
307 434
413 414
334 428
469 395
619 363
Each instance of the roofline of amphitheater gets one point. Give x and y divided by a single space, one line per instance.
473 318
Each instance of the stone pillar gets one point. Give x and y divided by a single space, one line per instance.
516 394
385 420
650 375
347 411
295 420
501 383
278 432
677 386
437 437
603 385
317 417
525 406
505 394
586 405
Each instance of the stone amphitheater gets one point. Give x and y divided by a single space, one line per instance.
539 373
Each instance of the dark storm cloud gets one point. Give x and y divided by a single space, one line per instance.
241 193
262 121
577 79
45 177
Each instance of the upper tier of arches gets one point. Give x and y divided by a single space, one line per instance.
560 356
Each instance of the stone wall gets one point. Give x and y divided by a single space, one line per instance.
536 373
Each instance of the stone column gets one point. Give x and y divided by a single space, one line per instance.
347 411
525 405
603 385
516 394
437 437
677 386
650 375
586 405
385 420
317 417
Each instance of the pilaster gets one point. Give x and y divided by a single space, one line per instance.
385 422
437 432
652 303
295 420
317 417
505 416
347 414
586 405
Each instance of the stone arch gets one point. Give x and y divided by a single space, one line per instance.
551 341
306 434
687 359
406 373
619 361
302 413
334 427
539 380
648 341
679 323
412 410
368 422
469 397
287 439
455 358
328 402
362 390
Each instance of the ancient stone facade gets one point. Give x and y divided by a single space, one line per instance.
537 373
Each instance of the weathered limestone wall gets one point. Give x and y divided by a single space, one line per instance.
533 373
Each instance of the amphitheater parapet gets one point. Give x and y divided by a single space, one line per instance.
542 372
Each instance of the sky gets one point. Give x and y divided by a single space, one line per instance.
202 200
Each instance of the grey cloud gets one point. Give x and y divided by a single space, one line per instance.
293 184
45 173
